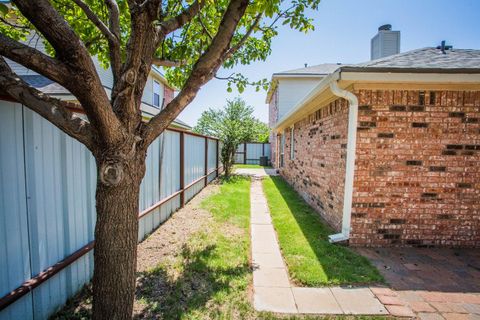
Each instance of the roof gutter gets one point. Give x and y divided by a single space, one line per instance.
350 162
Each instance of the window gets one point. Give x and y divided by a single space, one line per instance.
292 143
157 95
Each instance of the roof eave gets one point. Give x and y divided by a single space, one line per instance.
349 76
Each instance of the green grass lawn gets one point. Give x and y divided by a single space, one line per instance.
211 275
249 166
303 236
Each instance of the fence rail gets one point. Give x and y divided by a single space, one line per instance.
250 153
47 205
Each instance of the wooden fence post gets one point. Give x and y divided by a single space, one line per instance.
182 169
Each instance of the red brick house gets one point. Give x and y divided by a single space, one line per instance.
388 151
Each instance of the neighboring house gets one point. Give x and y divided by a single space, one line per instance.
388 151
156 95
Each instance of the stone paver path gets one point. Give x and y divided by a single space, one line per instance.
272 288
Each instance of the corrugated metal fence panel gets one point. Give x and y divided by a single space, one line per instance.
254 152
150 188
268 151
194 164
47 203
14 252
163 158
170 178
212 159
60 214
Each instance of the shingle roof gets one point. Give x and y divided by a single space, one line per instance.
416 60
426 58
321 69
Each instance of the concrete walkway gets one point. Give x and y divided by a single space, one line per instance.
272 288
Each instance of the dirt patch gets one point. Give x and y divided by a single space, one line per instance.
163 244
170 237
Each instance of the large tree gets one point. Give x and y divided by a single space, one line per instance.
233 125
193 39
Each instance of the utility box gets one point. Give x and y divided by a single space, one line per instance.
264 161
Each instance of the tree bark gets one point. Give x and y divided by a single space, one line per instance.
116 234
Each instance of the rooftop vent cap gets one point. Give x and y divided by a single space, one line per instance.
444 47
385 27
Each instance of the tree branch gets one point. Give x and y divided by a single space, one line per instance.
84 82
33 59
181 19
96 20
115 47
111 33
242 41
160 62
203 71
54 110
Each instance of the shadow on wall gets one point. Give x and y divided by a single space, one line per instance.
303 237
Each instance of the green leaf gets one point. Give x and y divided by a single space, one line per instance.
3 9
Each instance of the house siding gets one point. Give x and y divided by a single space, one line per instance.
317 171
417 175
292 91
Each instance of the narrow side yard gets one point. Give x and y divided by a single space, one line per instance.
196 265
303 238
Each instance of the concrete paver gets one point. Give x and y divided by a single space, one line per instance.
430 316
270 277
358 301
400 311
268 260
274 299
316 301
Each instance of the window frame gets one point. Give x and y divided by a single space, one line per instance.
156 84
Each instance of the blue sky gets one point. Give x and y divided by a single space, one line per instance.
343 29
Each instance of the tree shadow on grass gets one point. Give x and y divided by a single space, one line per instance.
164 297
341 265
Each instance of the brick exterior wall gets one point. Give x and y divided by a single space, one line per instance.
272 120
317 171
168 94
417 175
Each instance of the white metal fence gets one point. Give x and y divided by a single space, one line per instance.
47 205
250 153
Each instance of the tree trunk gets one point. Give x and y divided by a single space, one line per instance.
116 233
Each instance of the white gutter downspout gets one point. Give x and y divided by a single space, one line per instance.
350 165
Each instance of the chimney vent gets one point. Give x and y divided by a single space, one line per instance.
385 43
385 27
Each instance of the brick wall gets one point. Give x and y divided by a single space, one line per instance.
272 120
417 176
318 169
168 94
